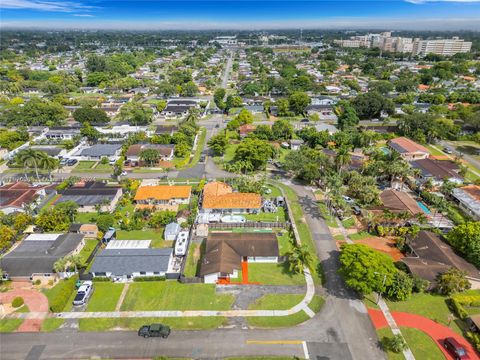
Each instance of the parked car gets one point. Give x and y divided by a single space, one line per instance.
63 162
203 157
348 199
83 294
356 210
72 162
447 150
454 348
124 173
154 330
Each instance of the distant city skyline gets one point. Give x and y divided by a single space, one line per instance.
242 15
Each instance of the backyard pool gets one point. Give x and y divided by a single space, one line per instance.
423 207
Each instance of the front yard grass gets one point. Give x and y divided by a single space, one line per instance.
9 325
86 217
103 167
193 257
87 250
284 243
276 302
105 296
273 274
85 165
169 295
360 235
277 321
264 216
422 345
51 324
348 223
192 323
387 332
329 219
431 306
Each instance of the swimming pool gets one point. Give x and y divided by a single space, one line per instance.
424 207
385 150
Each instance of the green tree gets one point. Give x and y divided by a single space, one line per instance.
282 130
347 117
218 98
69 208
452 281
90 115
298 102
366 270
162 218
283 107
105 221
401 287
30 158
465 238
218 144
53 220
370 105
90 132
299 257
253 153
136 113
150 156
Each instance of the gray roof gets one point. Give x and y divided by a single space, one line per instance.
172 228
101 150
128 261
38 256
86 200
49 150
467 199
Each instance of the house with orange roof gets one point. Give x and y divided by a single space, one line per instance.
16 197
163 195
422 87
220 197
408 149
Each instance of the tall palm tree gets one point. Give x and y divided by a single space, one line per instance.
343 158
30 157
299 258
48 163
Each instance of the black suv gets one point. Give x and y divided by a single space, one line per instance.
154 330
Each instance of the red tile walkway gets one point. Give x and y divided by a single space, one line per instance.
36 302
436 331
244 277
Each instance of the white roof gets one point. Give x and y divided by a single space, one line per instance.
128 244
42 237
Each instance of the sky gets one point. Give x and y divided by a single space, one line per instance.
241 15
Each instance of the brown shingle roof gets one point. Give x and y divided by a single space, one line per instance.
439 169
398 201
435 257
224 251
405 145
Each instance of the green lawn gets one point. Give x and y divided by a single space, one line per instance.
387 332
169 295
339 237
51 324
263 216
86 217
273 274
284 242
422 345
103 167
278 321
192 260
274 192
105 296
60 287
348 223
329 219
9 325
84 165
194 323
147 234
303 230
360 235
434 151
276 302
429 305
87 249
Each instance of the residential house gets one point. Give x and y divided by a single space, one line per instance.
468 198
178 107
331 129
295 144
430 257
220 197
91 195
90 231
408 149
162 196
225 252
166 152
324 111
126 264
399 202
53 151
246 129
437 171
165 129
98 151
62 133
17 197
34 257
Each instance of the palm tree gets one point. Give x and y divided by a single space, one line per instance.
343 158
60 265
299 258
48 163
30 157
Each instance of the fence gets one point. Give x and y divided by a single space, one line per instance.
248 224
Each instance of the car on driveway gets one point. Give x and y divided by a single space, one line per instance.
71 162
154 330
348 199
447 150
83 293
455 348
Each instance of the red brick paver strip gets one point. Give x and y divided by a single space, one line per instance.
36 302
436 331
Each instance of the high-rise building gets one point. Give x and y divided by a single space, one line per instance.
446 47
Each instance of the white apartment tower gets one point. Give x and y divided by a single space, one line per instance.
446 47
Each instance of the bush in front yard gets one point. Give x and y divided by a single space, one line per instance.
65 289
17 302
149 278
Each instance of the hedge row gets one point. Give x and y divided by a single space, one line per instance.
64 290
149 278
101 279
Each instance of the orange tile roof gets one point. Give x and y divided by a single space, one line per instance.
423 87
163 192
218 195
408 145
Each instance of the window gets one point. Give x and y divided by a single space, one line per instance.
143 273
156 273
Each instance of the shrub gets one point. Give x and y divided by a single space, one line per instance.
101 279
474 339
419 284
17 302
37 282
64 290
395 344
458 309
149 278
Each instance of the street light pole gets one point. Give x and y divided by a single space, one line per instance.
383 285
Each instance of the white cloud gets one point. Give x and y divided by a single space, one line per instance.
45 5
83 15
